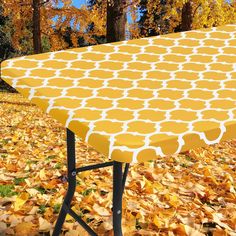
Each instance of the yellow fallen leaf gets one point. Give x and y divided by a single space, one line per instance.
44 225
148 186
174 201
84 174
20 201
42 174
69 217
157 221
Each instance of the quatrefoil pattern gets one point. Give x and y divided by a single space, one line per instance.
138 100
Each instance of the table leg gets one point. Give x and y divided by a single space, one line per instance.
118 188
71 168
117 198
125 176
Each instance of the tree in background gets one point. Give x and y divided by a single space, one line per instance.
166 16
99 7
36 26
6 48
57 24
47 22
152 20
25 17
6 29
113 14
116 20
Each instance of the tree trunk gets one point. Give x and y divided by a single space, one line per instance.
36 27
116 20
187 18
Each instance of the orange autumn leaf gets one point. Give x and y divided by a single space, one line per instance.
51 184
25 228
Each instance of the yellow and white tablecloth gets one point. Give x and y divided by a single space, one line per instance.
140 99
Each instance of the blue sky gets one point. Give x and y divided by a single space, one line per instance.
78 3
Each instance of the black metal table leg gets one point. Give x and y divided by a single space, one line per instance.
117 198
71 182
118 188
125 176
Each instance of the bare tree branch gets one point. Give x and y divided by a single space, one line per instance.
196 9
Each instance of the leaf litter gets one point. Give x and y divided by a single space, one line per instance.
192 193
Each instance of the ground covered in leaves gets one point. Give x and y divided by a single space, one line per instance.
193 193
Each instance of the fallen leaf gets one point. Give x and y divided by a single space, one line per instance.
44 225
3 226
73 233
42 174
81 231
29 218
217 218
34 210
102 211
174 201
157 221
32 191
24 228
20 201
192 232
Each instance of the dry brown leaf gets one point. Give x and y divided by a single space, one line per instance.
102 211
24 228
73 233
81 231
3 226
33 210
44 225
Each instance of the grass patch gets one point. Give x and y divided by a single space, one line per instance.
41 189
56 208
58 166
18 181
51 157
7 190
28 162
88 191
42 209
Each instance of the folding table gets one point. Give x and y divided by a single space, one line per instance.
135 100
